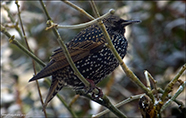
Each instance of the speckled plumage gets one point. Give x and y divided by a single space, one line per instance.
90 55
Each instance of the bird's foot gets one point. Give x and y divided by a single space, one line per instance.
92 87
98 95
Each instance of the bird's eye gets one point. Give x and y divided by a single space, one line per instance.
120 21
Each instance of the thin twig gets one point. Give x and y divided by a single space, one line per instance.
94 8
169 96
78 9
45 10
132 98
21 24
9 13
169 86
147 79
104 101
180 90
33 62
13 21
13 41
111 11
154 84
73 100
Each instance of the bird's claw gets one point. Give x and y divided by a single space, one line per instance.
98 95
91 88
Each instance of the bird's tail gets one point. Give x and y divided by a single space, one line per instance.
55 87
46 71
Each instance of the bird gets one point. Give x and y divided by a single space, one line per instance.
89 52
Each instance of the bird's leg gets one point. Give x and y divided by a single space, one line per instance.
92 87
99 94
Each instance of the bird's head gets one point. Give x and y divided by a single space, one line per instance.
115 23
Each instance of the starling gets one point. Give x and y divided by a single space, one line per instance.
90 54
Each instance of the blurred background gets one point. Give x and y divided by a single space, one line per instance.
157 45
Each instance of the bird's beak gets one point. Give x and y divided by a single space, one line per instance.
128 22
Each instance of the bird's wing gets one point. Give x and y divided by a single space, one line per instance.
78 51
